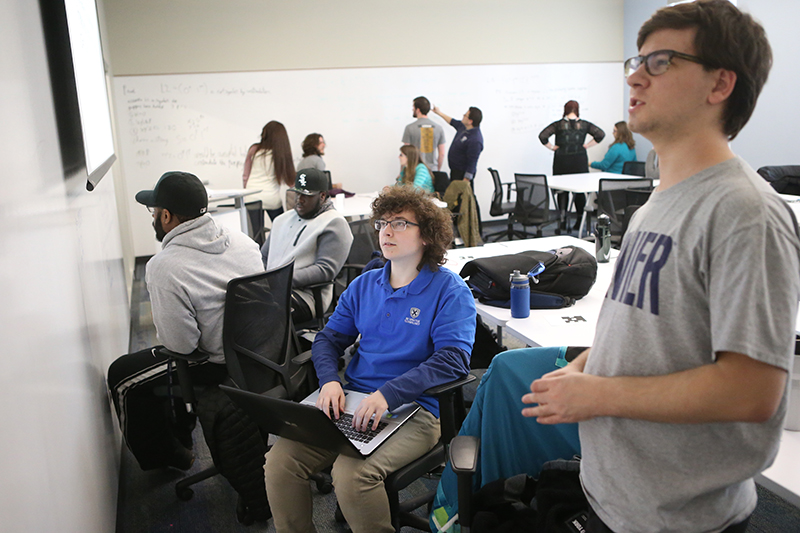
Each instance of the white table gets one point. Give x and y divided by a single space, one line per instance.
237 195
360 205
496 317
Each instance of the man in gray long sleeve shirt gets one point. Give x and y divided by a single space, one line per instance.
315 236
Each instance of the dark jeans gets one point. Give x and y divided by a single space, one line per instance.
272 213
138 384
595 525
300 310
563 205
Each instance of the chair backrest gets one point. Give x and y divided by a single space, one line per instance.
361 253
615 195
255 213
330 180
785 179
497 196
533 199
258 337
440 182
633 168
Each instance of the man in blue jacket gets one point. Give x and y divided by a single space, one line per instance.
466 146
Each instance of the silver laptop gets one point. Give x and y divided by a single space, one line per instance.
368 441
303 422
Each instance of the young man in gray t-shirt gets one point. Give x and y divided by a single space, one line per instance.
682 396
426 135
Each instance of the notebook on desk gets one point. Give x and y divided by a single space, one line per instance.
304 422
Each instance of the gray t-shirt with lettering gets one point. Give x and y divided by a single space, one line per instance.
427 136
708 265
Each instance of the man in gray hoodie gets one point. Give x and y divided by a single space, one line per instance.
187 282
313 235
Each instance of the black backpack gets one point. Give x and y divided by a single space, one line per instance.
569 274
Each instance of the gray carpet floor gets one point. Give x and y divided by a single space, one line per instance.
147 500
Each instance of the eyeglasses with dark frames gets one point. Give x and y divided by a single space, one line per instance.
658 62
397 225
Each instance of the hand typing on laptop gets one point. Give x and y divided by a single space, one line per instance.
331 400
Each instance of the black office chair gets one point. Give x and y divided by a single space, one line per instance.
260 359
784 179
363 249
532 207
440 182
616 197
255 213
633 168
499 207
330 179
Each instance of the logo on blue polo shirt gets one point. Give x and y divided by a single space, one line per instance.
414 312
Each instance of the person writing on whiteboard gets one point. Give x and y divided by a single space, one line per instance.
425 134
417 326
618 153
466 146
187 281
570 152
270 168
313 150
413 171
681 398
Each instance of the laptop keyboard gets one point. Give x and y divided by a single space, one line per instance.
345 424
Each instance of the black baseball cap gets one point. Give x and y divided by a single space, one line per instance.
181 193
310 181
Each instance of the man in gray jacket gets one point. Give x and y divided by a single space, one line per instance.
187 282
313 235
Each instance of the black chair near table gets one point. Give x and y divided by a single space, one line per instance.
532 207
784 179
633 168
502 205
258 359
617 198
440 182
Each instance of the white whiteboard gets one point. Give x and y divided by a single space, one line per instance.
204 123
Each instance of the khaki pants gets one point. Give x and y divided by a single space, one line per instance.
358 482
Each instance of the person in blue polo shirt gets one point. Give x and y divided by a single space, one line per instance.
417 326
467 144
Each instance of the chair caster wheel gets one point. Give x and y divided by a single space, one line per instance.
184 494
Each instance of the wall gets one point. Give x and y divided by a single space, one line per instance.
65 312
176 36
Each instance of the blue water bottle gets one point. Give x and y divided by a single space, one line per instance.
520 295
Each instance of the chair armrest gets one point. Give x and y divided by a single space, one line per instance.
450 386
510 185
463 454
194 357
302 358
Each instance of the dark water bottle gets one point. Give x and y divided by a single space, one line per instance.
520 295
602 238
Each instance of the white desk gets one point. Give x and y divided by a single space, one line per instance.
237 195
500 319
358 206
783 477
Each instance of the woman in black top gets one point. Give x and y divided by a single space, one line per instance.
570 151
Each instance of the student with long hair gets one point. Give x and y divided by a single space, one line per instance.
619 152
313 150
270 168
413 171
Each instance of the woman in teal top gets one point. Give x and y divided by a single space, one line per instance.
413 171
619 152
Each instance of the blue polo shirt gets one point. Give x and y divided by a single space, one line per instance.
465 148
412 338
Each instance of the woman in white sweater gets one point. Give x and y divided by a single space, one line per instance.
270 168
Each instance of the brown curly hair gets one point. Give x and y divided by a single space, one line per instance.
435 225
